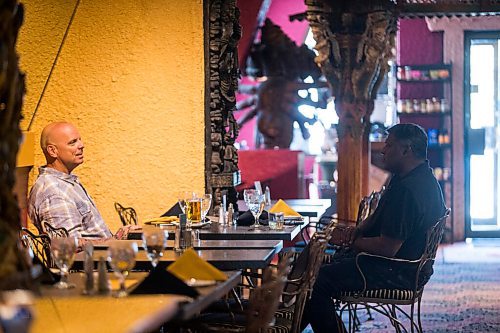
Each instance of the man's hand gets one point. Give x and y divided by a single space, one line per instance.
343 235
123 232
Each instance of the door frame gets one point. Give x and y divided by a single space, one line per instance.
468 36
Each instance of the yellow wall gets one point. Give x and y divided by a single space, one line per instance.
131 78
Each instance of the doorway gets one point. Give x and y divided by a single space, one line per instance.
481 145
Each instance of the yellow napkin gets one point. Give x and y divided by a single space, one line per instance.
190 266
160 220
115 284
281 206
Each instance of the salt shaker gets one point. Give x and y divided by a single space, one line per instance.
89 269
230 215
102 277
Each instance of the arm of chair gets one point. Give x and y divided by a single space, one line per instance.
364 269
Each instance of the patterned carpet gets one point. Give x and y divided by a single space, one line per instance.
460 297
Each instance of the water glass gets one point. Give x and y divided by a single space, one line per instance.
63 251
276 221
183 199
255 203
206 202
154 241
121 257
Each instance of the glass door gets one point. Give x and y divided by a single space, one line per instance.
481 128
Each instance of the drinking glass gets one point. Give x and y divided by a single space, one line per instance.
276 221
154 241
206 202
121 257
255 203
193 210
183 199
63 251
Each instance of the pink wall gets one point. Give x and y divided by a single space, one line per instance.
417 45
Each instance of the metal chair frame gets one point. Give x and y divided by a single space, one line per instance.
128 215
391 306
39 244
54 232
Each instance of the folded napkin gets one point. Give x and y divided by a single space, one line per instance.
175 210
281 206
161 220
247 219
190 266
160 281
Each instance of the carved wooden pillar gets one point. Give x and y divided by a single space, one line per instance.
224 32
11 98
354 41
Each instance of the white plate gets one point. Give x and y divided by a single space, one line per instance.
200 283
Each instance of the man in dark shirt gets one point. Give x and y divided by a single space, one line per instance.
412 203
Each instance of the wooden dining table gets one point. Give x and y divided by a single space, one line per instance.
223 259
216 231
204 244
61 311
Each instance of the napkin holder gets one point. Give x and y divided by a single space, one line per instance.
161 281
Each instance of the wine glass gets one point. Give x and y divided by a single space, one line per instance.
255 203
154 240
206 202
183 199
63 251
121 257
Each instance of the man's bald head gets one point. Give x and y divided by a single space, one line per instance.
62 146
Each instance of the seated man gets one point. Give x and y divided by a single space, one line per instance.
411 204
57 196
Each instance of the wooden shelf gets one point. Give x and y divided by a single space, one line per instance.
424 114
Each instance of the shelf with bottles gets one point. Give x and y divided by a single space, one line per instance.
442 174
423 73
427 106
438 138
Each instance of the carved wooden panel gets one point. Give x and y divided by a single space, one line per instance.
224 33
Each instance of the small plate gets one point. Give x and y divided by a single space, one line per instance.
199 283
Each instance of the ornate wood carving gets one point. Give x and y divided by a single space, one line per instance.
354 41
224 32
11 98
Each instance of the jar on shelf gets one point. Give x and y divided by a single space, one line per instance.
429 106
436 104
444 105
401 106
423 106
409 106
416 105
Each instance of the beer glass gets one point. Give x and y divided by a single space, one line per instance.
193 210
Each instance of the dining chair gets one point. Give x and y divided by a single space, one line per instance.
258 314
128 215
54 232
389 302
39 245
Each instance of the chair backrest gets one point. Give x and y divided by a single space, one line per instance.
39 244
128 215
433 238
303 276
265 299
54 232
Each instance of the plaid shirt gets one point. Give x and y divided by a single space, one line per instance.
61 200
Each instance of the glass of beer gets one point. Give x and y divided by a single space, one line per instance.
193 210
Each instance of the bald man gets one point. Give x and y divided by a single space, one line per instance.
57 196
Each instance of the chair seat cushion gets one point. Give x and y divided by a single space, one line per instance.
376 295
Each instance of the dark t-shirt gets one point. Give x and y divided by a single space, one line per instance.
410 205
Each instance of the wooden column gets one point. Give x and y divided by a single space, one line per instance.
354 41
14 272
